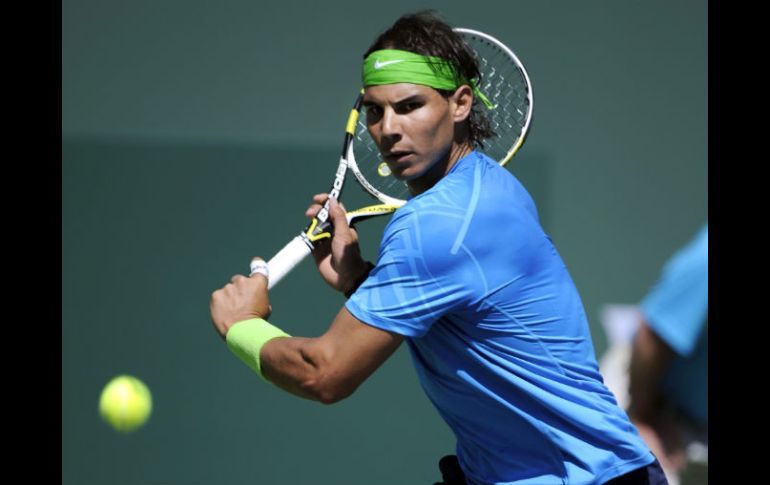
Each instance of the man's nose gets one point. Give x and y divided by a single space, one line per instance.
390 125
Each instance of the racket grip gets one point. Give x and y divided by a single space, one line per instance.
286 260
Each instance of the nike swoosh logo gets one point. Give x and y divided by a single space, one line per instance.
380 65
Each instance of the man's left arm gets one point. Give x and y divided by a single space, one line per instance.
331 367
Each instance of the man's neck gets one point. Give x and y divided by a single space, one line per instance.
439 169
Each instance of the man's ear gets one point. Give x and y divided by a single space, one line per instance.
462 100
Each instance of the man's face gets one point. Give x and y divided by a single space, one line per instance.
412 125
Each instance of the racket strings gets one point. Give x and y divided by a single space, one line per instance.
507 88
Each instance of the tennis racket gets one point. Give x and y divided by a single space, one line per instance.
505 83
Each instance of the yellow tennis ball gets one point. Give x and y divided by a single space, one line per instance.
125 403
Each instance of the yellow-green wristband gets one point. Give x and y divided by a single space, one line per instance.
246 338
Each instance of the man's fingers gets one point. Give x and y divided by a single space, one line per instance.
312 211
337 212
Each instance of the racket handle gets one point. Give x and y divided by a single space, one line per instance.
293 253
286 260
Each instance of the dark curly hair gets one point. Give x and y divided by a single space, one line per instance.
427 34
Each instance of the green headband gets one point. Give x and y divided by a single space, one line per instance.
390 66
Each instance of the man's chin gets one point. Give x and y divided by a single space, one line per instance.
407 174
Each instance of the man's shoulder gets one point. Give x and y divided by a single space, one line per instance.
429 213
427 232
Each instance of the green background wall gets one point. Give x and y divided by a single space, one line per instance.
183 124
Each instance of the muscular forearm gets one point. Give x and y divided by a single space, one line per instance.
298 365
328 368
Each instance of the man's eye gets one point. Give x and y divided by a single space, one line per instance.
410 106
373 113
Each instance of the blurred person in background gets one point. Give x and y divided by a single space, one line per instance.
668 368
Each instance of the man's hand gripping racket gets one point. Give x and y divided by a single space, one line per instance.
506 85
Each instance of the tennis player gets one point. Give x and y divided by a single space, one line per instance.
467 277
